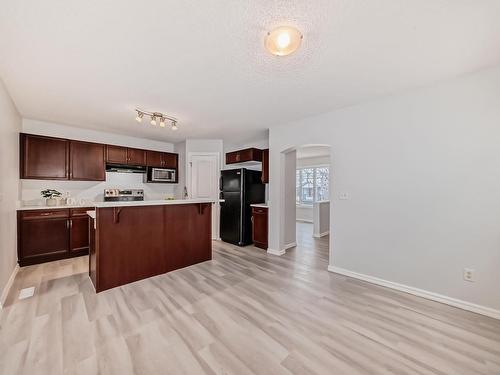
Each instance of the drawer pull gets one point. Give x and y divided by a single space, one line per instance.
46 213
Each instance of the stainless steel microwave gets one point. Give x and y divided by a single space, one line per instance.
162 175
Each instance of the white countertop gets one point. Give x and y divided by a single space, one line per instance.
21 208
151 203
120 204
260 205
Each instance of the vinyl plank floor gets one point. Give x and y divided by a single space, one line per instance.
244 312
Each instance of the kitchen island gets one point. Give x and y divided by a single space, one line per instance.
130 241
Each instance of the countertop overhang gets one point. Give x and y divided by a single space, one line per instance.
151 203
121 204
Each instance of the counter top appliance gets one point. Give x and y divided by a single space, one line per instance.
117 195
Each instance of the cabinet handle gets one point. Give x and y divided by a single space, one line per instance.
67 224
46 214
70 223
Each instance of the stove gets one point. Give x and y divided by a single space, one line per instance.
117 195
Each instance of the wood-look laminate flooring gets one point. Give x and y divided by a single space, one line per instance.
245 312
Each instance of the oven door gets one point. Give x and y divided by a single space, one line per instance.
163 175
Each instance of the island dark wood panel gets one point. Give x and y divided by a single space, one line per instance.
134 243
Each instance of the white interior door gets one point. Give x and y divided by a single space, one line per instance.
204 183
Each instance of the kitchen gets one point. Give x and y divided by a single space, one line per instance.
91 179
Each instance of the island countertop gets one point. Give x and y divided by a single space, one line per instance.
151 203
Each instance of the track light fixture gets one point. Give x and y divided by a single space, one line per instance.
155 117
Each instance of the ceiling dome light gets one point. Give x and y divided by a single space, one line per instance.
283 40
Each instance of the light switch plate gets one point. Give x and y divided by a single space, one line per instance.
27 292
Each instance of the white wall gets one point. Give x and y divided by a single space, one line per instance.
10 126
93 191
289 199
304 213
313 162
321 218
423 173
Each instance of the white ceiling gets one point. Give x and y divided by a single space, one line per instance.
90 63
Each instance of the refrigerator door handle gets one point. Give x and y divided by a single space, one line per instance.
220 183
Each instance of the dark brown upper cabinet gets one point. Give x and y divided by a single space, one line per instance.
116 154
125 156
136 156
265 166
44 158
241 156
154 159
87 161
159 159
50 158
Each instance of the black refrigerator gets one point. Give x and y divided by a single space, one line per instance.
239 188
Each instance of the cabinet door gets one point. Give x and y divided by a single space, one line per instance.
136 156
232 157
116 154
87 161
42 240
188 229
259 232
44 158
79 234
154 159
169 160
265 166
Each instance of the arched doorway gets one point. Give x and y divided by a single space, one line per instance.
306 189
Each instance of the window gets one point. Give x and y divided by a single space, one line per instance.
312 185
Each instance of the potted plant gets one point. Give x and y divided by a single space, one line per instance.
50 196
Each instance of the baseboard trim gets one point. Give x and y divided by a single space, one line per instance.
276 252
290 245
6 290
321 234
464 305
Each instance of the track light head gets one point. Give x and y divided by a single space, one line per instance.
174 125
139 116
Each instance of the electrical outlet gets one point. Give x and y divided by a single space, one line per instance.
344 196
469 274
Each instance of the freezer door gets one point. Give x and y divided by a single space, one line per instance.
231 180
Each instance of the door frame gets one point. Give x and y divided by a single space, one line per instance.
189 166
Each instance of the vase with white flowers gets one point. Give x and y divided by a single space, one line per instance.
51 196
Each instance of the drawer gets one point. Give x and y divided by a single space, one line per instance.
44 214
80 211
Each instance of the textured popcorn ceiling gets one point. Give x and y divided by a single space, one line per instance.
89 63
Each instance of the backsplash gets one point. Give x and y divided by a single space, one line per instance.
93 191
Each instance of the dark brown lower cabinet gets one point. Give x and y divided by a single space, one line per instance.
259 227
48 235
134 243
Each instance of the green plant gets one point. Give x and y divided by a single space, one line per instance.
50 193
